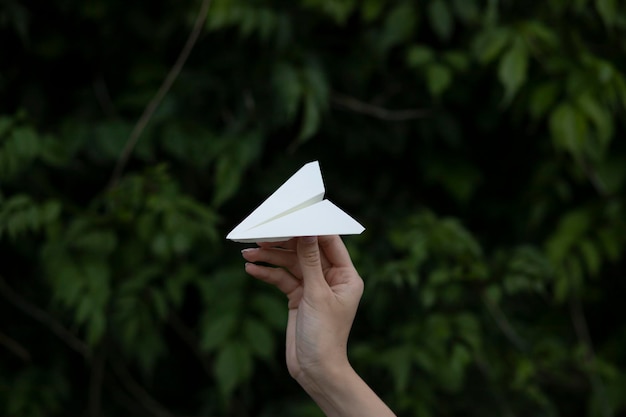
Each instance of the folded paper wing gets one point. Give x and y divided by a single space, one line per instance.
297 208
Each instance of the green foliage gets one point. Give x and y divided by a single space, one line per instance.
478 141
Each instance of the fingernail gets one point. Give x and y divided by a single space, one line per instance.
309 239
248 250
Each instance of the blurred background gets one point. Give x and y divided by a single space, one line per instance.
480 142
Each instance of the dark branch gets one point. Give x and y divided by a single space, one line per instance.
504 325
160 94
15 347
139 393
358 106
44 318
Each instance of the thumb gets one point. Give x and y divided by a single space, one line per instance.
310 262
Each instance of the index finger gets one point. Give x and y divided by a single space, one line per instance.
335 251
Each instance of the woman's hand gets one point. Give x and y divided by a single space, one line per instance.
323 289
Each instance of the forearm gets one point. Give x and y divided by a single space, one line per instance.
341 392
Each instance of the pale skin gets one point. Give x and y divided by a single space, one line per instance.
323 290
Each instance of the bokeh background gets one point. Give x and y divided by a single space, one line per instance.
480 142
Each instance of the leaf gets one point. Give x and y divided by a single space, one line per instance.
50 211
612 173
101 242
339 10
489 44
440 19
26 142
398 361
466 10
399 25
428 297
159 303
599 116
273 311
259 338
231 165
542 99
591 255
568 129
418 55
608 11
217 331
96 327
457 60
233 365
287 89
512 69
438 78
452 374
371 9
570 229
310 119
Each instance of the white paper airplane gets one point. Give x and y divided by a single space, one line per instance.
296 208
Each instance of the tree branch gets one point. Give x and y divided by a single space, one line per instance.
94 408
377 112
160 94
188 337
103 97
139 392
15 347
581 328
44 318
504 325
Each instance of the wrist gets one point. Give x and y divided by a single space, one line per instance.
326 378
340 392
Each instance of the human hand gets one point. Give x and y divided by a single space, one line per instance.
323 289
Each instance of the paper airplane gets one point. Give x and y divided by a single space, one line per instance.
296 208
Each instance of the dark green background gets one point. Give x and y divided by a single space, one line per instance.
480 142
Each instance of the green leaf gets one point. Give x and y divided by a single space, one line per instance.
489 43
399 25
218 330
452 374
6 125
542 99
371 9
441 18
99 242
419 55
50 211
230 166
96 327
612 173
398 361
591 255
513 68
271 309
608 11
570 229
310 119
233 366
466 10
26 142
600 116
438 78
259 338
457 60
339 10
568 128
288 90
